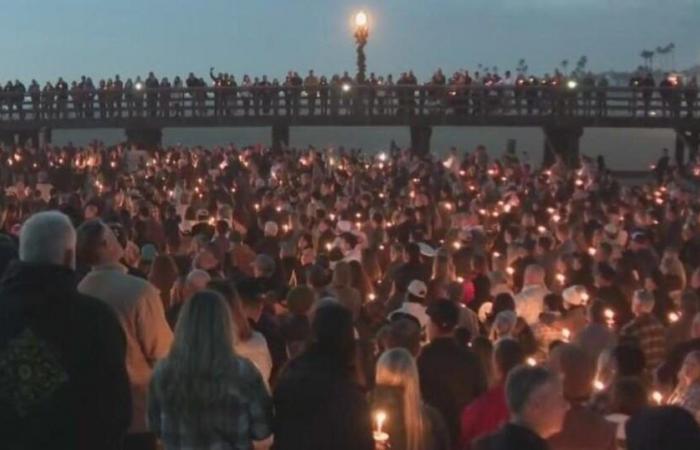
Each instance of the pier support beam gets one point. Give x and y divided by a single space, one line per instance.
687 143
420 139
563 141
32 137
144 138
280 136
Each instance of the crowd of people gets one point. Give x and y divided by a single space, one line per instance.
462 93
238 298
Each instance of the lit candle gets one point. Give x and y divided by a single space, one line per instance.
585 297
329 246
457 245
657 397
460 279
531 362
592 251
541 229
598 385
556 218
561 278
510 270
380 436
673 317
565 335
496 255
609 316
372 297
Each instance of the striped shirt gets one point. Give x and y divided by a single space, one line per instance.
651 337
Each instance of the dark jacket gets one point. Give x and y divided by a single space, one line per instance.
319 407
511 437
451 376
73 349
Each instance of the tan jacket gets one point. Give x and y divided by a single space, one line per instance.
140 312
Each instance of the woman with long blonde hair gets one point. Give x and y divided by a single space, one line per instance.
202 395
423 427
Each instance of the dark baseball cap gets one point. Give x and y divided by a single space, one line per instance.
444 313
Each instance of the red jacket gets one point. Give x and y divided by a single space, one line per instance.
483 416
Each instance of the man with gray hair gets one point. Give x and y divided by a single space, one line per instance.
645 330
63 380
537 408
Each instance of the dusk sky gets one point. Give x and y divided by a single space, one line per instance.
46 38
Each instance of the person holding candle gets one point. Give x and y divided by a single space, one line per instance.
319 404
680 331
421 426
203 395
583 428
646 330
611 295
687 393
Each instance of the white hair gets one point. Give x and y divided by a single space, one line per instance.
46 237
271 229
198 279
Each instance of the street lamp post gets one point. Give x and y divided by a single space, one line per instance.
361 37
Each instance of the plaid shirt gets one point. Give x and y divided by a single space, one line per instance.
242 415
651 337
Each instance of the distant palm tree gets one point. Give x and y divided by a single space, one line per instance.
522 67
661 51
564 65
648 57
672 49
580 67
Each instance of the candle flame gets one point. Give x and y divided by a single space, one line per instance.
380 417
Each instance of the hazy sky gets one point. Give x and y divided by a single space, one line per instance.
48 38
